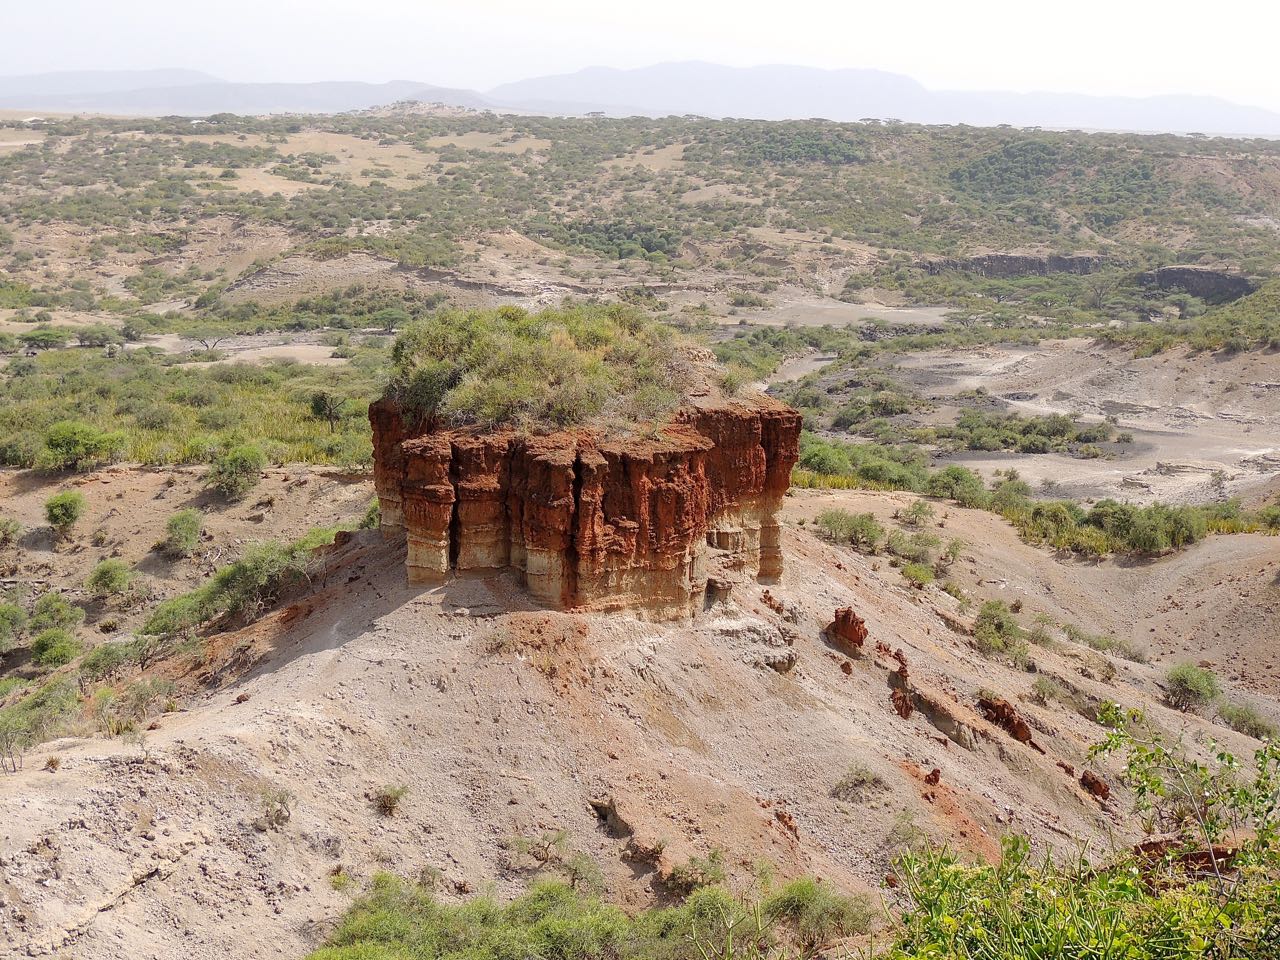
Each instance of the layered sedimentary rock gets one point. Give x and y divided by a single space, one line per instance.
1214 286
590 520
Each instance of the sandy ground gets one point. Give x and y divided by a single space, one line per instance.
508 721
1218 602
126 510
812 311
1191 416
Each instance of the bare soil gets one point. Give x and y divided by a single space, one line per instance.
1205 426
505 720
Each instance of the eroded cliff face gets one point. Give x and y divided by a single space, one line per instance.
589 520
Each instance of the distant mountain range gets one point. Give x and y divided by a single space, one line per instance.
188 93
705 89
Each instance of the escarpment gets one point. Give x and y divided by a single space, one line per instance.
591 520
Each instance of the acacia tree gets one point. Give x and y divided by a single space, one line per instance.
209 339
329 407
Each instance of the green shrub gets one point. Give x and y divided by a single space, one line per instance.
859 530
1106 643
104 661
1024 910
996 632
10 531
697 872
1189 687
959 484
242 587
182 533
858 781
51 611
914 548
1245 718
555 921
13 620
109 578
917 574
556 368
812 915
237 471
918 514
71 444
62 510
54 647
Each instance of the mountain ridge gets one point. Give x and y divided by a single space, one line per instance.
765 92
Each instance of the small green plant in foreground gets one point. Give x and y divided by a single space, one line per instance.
996 632
54 610
54 647
399 920
917 574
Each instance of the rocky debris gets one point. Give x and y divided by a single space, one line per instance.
1215 286
847 632
593 521
719 590
753 634
901 701
1095 785
1002 713
781 661
746 630
1005 265
1208 860
902 672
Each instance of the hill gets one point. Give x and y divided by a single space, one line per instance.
779 92
647 744
769 92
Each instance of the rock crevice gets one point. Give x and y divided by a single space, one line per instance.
590 520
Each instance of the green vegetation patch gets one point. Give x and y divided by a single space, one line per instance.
398 920
558 368
1105 528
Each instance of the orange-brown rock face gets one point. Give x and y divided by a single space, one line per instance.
592 521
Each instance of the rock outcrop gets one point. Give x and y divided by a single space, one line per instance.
847 632
593 521
1212 286
1007 265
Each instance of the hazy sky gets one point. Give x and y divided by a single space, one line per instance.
1089 46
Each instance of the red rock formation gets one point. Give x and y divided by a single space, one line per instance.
594 521
1095 785
1002 713
901 701
847 631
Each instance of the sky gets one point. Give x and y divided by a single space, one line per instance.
1088 46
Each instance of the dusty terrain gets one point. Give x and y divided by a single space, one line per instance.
505 721
646 743
1191 416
